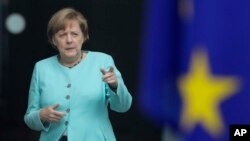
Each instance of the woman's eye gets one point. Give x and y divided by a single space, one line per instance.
75 34
61 35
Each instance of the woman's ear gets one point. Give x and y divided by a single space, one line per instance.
85 39
54 44
53 41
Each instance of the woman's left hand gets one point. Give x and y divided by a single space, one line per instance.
110 77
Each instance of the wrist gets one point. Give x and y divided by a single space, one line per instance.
113 88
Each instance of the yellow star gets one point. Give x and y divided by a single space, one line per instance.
202 93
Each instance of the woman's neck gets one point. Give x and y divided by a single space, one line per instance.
71 62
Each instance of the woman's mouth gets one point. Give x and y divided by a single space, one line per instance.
70 48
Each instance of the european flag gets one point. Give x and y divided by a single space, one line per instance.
195 66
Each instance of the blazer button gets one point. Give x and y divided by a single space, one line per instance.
69 85
68 110
66 123
67 97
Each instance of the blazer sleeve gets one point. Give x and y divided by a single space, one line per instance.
32 117
121 100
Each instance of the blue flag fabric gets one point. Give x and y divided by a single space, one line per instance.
158 53
195 66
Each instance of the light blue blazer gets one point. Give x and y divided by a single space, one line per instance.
82 95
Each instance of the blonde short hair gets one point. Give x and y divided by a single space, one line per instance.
59 20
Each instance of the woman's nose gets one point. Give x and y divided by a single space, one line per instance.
69 39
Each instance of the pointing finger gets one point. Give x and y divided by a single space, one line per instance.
103 71
111 69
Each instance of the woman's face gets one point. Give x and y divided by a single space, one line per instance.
69 41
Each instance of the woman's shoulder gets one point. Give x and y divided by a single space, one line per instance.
97 54
47 61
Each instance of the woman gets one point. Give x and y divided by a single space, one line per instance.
70 92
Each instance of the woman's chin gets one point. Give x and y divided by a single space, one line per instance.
71 54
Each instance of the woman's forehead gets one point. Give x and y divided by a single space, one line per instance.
70 24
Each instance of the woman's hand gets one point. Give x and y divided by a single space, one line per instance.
110 77
50 114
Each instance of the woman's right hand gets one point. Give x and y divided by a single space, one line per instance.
50 114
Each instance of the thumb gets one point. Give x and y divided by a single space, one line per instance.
55 106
